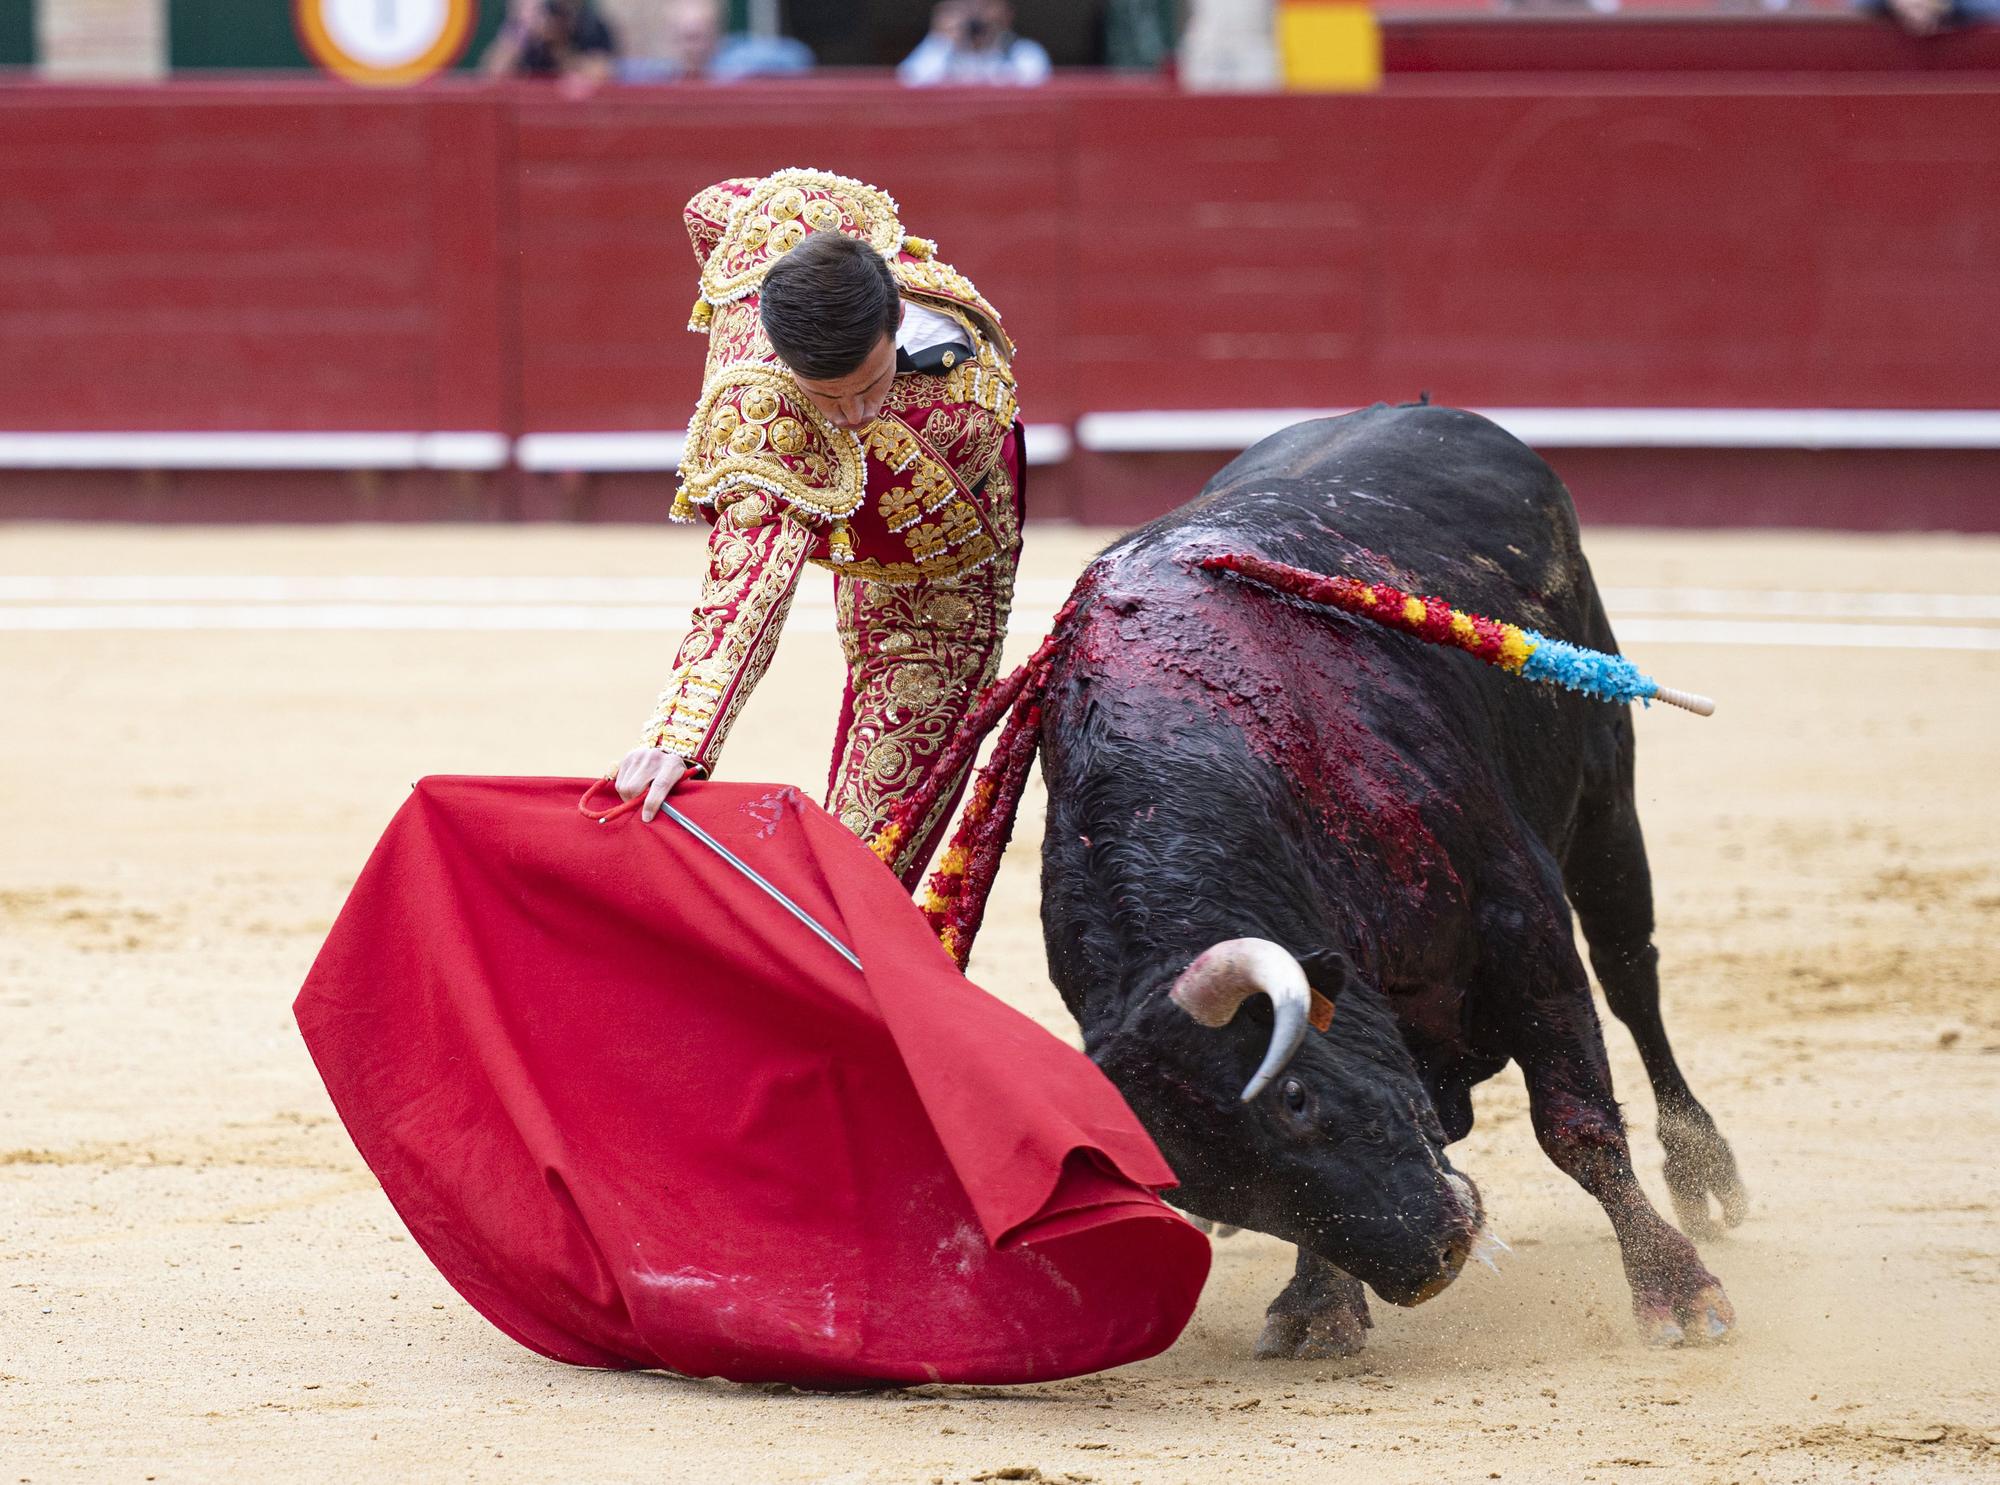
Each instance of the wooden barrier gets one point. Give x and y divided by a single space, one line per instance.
482 260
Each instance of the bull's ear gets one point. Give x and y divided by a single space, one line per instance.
1328 972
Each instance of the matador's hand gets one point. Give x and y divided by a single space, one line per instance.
653 772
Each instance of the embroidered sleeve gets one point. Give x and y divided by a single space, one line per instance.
755 555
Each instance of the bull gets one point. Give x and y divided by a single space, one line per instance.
1258 807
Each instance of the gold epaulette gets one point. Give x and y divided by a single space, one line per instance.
751 430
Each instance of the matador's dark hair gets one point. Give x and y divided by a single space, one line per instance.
826 303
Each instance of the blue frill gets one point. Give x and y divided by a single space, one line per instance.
1594 673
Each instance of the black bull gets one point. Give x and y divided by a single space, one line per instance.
1409 825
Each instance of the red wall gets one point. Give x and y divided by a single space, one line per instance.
607 277
191 259
464 257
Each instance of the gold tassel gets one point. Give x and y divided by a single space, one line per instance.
919 247
841 542
702 315
683 509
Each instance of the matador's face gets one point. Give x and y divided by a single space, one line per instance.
853 401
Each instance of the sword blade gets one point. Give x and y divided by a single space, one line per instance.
751 872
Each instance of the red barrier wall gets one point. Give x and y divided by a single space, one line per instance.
198 259
607 275
1529 248
474 258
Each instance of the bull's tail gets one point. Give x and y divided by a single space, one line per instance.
1518 651
954 899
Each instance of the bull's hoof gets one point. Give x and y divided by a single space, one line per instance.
1699 1320
1324 1336
1700 1165
1321 1314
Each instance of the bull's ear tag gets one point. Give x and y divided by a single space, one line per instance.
1326 968
1321 1014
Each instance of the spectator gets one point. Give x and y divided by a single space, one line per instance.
562 39
1929 17
693 44
973 41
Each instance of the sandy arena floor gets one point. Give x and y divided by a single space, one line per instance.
199 1281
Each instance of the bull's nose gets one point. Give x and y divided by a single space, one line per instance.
1417 1291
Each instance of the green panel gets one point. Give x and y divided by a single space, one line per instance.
1139 34
491 14
17 33
259 34
232 33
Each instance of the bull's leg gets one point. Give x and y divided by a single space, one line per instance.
1543 1013
1560 1047
1611 887
1322 1313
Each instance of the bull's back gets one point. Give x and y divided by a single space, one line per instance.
1435 500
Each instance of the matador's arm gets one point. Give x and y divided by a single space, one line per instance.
755 554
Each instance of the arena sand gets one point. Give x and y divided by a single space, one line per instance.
199 1281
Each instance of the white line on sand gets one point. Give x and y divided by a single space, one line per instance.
1797 634
157 588
817 617
1792 603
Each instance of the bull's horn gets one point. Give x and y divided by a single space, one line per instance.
1221 978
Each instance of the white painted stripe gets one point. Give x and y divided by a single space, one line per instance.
398 617
1047 592
1048 443
1224 430
1751 428
253 450
403 618
475 451
1800 603
600 453
1799 635
1187 432
1229 430
308 588
819 618
660 452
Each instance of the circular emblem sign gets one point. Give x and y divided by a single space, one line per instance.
384 43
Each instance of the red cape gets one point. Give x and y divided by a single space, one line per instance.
640 1116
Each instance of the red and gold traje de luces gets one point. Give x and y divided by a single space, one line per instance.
918 515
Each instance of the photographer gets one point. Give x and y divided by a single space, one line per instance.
973 41
562 39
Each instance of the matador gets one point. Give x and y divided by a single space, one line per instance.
858 413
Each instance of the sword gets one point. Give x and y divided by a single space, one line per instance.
752 873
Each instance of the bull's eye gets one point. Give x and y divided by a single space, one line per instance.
1295 1095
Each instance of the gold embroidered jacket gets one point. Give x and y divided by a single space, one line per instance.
920 495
